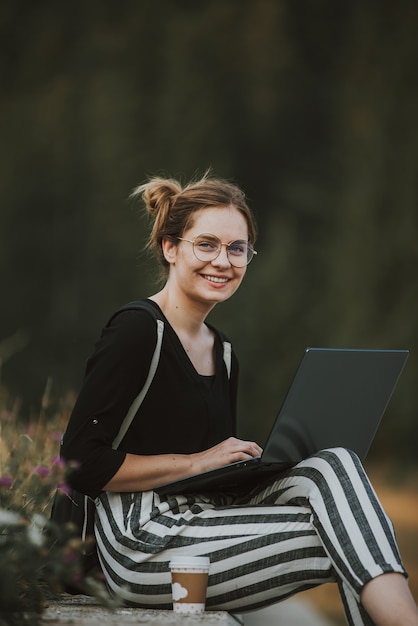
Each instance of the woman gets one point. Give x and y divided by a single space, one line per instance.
317 522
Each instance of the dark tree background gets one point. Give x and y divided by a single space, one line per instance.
310 105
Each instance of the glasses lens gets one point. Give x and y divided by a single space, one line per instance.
206 247
240 253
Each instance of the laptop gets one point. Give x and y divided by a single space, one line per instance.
337 398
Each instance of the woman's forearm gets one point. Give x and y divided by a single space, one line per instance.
144 473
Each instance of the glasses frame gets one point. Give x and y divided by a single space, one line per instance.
227 248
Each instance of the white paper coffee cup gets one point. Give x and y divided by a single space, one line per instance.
189 581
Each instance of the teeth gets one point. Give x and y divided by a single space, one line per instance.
216 279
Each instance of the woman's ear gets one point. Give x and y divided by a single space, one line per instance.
169 250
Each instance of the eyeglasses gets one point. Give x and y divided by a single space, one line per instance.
208 248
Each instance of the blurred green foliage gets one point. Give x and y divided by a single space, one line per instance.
309 105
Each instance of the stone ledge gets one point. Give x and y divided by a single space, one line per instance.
84 611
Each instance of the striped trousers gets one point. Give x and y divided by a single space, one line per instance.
317 522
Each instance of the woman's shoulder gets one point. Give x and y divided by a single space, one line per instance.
137 309
132 325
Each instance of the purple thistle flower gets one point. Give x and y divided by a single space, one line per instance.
65 488
57 461
42 471
6 481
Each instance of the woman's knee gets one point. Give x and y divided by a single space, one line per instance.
333 464
338 457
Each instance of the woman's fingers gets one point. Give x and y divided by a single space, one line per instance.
228 451
233 449
247 447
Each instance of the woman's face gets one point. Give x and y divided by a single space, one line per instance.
213 281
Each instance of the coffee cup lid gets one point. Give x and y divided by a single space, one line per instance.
190 561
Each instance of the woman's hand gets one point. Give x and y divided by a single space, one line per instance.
228 451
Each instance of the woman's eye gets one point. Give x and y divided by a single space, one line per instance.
206 245
238 248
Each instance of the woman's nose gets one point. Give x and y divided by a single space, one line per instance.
222 259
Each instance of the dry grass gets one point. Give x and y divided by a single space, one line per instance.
37 557
29 451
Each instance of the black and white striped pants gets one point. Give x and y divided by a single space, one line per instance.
318 522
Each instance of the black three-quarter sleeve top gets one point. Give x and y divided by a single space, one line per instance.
183 412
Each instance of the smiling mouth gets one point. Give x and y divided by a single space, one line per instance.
215 279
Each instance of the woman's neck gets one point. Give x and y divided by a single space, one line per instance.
195 336
184 316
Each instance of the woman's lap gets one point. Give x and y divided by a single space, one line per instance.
263 548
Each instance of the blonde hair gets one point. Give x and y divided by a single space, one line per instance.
172 206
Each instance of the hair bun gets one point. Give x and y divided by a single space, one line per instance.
158 195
